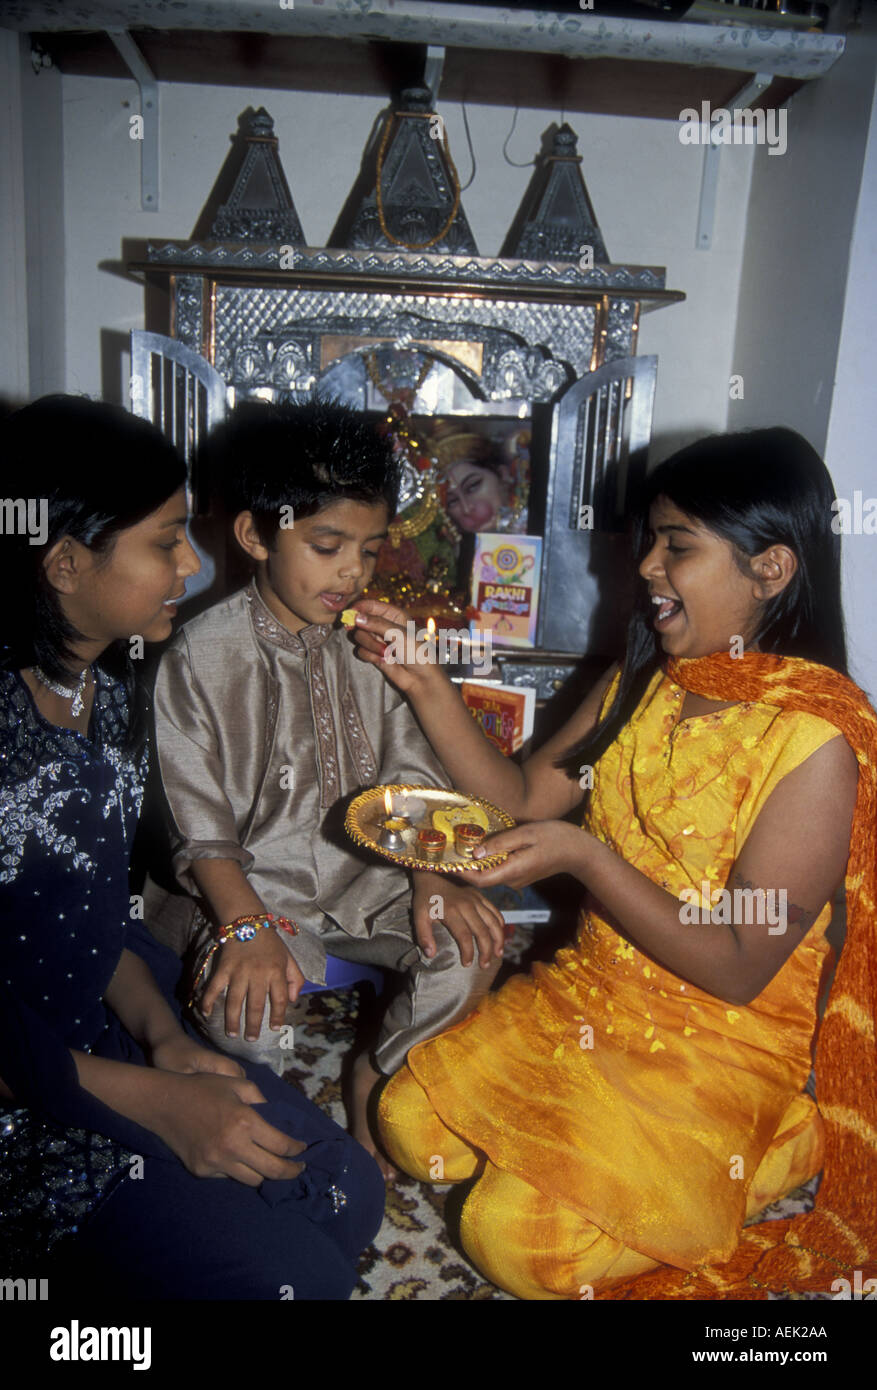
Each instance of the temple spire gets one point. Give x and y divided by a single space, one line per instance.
407 195
556 218
259 206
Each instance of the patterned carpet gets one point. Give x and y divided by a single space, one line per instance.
414 1255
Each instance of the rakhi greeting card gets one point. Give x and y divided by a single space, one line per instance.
505 712
505 587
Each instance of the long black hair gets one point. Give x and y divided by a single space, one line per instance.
98 470
755 489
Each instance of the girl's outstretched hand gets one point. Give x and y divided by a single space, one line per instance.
536 851
380 637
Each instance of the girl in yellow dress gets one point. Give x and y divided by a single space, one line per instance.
623 1110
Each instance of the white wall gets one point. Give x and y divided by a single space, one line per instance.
808 295
643 183
695 340
852 431
43 146
799 225
13 298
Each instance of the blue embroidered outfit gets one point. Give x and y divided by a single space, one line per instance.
68 811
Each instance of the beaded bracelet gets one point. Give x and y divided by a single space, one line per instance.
243 929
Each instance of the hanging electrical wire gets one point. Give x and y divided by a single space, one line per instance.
513 162
471 148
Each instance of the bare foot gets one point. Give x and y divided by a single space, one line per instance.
363 1081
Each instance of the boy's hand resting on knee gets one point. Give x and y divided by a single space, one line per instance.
210 1124
474 923
250 971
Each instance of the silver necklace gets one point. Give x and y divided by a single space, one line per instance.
77 694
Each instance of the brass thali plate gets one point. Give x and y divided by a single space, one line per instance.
367 811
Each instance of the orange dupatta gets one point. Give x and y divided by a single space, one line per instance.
839 1236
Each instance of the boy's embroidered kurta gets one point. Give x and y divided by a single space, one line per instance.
261 732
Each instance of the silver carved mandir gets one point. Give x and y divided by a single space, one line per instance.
266 337
476 335
267 341
258 303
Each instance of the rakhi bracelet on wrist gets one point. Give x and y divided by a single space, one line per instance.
243 929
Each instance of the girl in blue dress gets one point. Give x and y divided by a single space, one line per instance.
158 1165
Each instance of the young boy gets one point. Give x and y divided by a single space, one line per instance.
266 722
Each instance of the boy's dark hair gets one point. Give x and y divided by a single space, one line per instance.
754 489
304 456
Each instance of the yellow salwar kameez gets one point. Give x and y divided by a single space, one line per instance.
618 1116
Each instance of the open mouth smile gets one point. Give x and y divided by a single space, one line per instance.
667 609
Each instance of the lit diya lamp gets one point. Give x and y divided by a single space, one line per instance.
392 826
467 838
427 646
431 844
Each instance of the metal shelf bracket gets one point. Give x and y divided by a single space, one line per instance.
709 181
149 111
433 68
